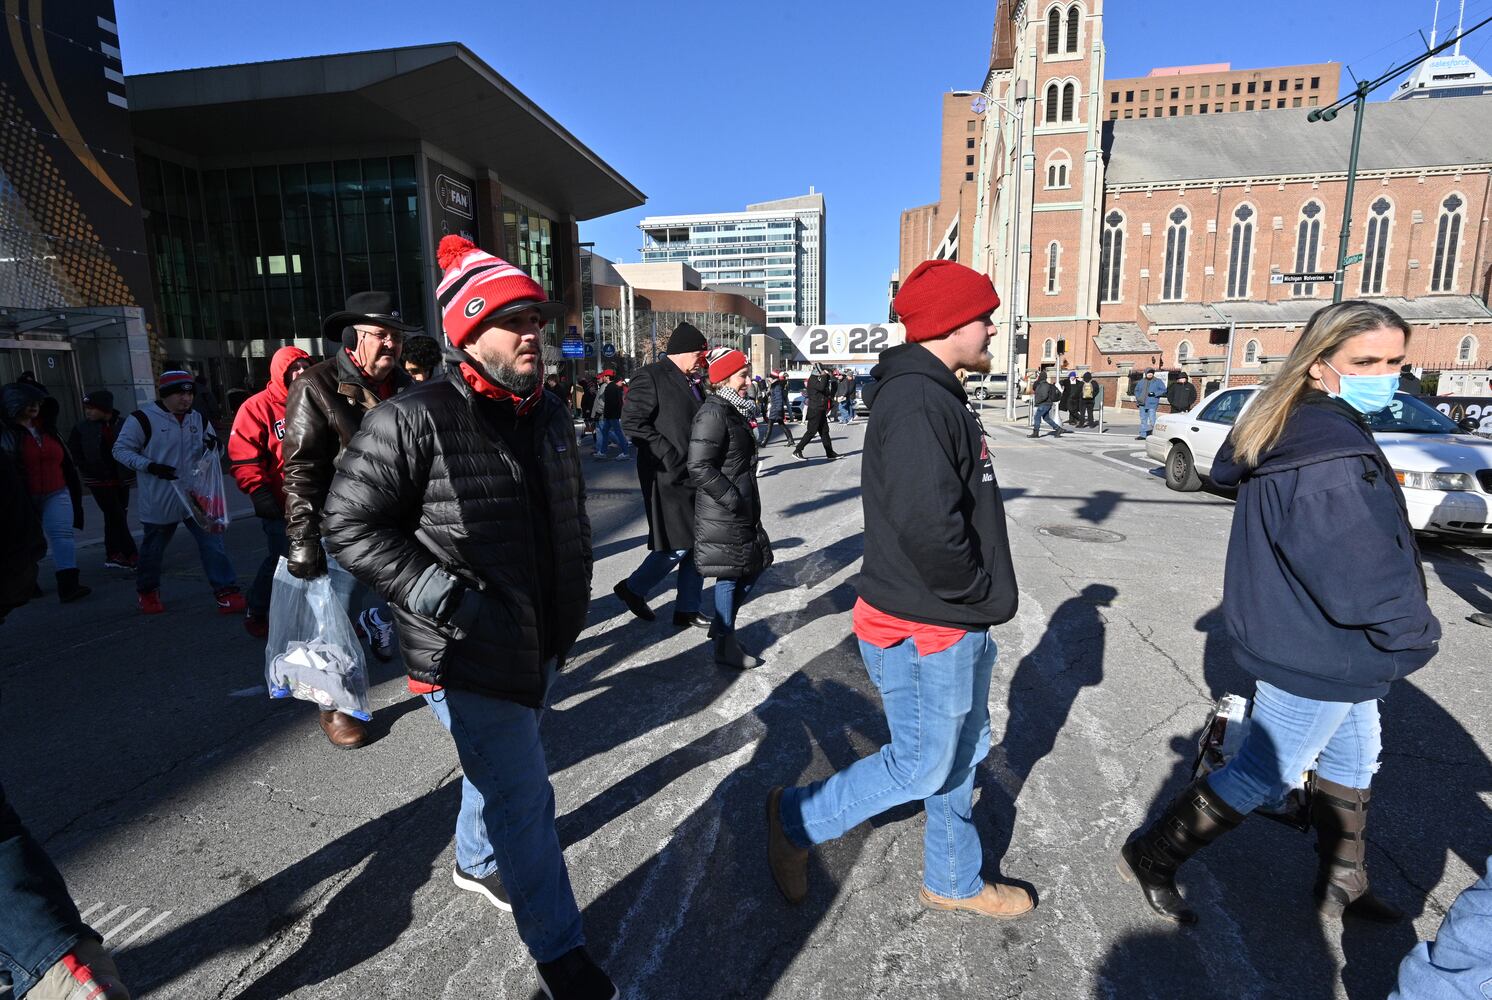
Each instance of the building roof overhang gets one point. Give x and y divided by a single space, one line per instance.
1296 311
440 93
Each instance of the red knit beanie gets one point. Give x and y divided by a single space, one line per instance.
725 362
942 295
478 285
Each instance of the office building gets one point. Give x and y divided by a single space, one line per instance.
777 246
1218 88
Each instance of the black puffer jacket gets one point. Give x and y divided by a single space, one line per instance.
429 488
728 538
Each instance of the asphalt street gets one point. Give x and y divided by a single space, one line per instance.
228 851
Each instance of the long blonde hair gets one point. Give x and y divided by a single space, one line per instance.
1264 421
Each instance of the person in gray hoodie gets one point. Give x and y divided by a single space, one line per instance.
161 442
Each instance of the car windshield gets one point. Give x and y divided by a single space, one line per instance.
795 384
1407 415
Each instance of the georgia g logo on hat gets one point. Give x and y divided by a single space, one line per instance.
475 306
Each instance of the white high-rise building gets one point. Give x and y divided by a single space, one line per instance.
777 246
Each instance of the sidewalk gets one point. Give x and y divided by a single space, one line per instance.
1113 421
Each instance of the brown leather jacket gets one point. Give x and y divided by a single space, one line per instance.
325 409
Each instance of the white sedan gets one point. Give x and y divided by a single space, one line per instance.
1446 473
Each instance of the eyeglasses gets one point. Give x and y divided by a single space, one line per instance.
391 337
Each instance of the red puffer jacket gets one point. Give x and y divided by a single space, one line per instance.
254 446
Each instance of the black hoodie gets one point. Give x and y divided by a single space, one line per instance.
936 550
1323 592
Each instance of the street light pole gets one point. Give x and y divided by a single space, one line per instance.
1011 380
1358 106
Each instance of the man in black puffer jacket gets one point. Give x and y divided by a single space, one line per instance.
462 503
937 575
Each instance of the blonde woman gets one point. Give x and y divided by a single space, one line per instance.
1324 600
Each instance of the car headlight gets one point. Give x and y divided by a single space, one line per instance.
1449 482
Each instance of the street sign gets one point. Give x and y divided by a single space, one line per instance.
1304 278
608 350
1354 259
572 348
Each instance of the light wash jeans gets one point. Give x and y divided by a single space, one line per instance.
608 431
1458 963
1287 735
506 821
57 524
1147 416
937 708
657 565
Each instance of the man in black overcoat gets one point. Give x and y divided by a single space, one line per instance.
656 417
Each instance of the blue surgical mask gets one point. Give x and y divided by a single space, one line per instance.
1365 393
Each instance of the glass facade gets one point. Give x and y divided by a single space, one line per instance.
262 253
529 240
636 344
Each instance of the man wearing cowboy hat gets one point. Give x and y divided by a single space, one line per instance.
325 408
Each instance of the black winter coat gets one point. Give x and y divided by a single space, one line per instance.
427 483
94 456
818 391
936 549
656 417
728 538
1181 395
1044 393
1072 395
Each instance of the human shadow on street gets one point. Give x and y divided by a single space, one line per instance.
1221 673
1043 689
1461 572
400 849
823 500
667 923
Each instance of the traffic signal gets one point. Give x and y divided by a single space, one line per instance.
1062 346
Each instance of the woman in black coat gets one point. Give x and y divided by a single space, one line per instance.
729 543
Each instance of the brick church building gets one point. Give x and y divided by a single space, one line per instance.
1151 242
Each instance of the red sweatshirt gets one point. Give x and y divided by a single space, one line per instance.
254 446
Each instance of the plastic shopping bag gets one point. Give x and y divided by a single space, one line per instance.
313 652
202 492
1222 737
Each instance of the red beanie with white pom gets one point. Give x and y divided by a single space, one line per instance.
478 286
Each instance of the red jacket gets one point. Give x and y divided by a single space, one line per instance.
254 446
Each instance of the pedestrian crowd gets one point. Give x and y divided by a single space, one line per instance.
441 490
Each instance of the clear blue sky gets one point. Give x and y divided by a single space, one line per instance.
706 106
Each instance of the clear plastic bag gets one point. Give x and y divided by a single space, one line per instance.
314 653
203 493
1222 737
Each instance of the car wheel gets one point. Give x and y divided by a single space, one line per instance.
1181 471
981 394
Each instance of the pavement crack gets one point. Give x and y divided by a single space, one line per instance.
1144 633
1428 894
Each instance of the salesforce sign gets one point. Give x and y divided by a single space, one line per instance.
845 343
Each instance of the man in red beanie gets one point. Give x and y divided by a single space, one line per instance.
937 575
255 459
462 502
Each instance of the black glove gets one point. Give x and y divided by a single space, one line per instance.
307 560
160 471
266 505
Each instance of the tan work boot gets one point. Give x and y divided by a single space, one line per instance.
1000 901
85 973
788 861
342 730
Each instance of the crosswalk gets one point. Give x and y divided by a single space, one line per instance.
120 927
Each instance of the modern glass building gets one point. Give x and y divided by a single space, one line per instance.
204 218
777 246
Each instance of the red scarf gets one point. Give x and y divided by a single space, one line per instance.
482 387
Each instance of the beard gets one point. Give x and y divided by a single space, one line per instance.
503 369
983 363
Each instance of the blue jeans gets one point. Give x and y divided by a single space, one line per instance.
937 708
1457 964
1287 734
657 565
1042 412
506 792
215 561
57 524
38 921
846 413
276 545
1147 415
729 596
608 431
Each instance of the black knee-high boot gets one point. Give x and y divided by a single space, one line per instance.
1340 816
1195 819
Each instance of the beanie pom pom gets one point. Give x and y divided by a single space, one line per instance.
452 249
